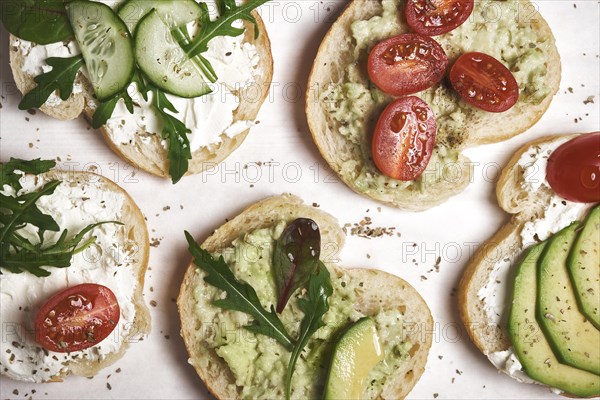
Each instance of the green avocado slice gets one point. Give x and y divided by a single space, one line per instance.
530 344
584 268
574 339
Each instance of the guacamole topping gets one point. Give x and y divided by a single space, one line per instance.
258 362
498 28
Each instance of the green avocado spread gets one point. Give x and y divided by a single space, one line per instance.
258 362
499 28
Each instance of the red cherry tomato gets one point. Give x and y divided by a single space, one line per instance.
77 318
406 64
573 169
484 82
435 17
404 138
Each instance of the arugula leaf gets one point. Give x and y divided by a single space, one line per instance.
105 108
35 167
229 12
314 306
240 295
17 253
295 257
60 77
175 132
38 21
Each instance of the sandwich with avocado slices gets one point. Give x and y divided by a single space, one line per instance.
173 85
399 88
530 296
267 314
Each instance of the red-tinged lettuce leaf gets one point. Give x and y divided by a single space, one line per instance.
295 257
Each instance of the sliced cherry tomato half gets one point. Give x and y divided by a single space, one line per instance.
484 82
436 17
573 169
77 318
406 64
404 138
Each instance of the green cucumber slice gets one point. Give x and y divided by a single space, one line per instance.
105 44
164 62
177 12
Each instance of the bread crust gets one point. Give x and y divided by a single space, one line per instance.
523 206
138 234
383 287
336 53
150 155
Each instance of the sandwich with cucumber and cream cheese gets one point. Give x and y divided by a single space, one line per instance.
73 257
266 314
399 88
174 85
529 298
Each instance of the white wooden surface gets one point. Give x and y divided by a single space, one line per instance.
157 368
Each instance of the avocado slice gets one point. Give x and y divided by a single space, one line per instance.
354 356
584 267
574 339
532 347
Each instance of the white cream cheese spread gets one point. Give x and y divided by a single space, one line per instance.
208 117
557 214
109 262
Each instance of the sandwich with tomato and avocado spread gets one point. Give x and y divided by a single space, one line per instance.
73 257
399 88
265 313
173 85
529 298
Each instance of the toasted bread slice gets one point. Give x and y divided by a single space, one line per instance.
146 153
380 290
338 51
500 255
132 239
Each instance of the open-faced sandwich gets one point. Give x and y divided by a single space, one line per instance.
399 88
174 85
265 313
530 297
73 256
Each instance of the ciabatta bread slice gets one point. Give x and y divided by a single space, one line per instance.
127 247
485 289
338 51
380 290
146 152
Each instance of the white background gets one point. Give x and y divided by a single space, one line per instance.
157 368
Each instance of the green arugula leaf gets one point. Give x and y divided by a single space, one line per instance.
60 77
295 257
229 12
105 108
240 295
38 21
175 132
314 306
17 253
35 167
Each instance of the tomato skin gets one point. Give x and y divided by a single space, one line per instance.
77 318
406 64
573 169
484 82
436 17
404 138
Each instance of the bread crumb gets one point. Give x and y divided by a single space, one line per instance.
153 303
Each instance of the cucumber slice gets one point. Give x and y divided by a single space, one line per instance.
177 12
105 44
164 62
